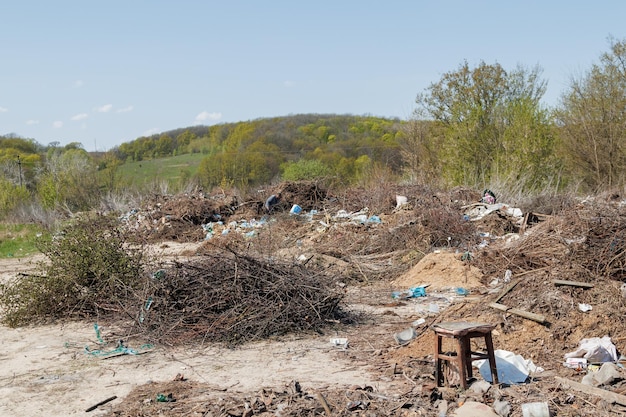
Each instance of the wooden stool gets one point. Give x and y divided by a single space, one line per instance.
463 332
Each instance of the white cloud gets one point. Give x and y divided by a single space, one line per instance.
104 109
206 116
125 109
78 83
289 84
57 125
32 122
3 109
81 116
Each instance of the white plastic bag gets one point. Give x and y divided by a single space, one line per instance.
595 350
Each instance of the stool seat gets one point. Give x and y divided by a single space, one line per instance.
462 332
461 328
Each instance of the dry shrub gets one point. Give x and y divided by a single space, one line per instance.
89 272
227 297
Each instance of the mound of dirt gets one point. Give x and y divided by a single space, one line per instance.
441 270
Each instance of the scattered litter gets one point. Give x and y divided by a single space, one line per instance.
576 363
295 209
433 308
605 375
341 342
419 322
537 409
507 275
595 350
400 201
162 398
410 293
584 307
405 336
461 291
512 368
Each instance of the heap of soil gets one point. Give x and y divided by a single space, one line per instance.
441 270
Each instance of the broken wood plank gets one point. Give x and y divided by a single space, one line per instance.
498 306
609 396
522 313
572 283
507 289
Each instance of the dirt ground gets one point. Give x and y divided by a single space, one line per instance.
367 367
46 370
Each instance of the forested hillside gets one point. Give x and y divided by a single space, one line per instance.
483 126
296 147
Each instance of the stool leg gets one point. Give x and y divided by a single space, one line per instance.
438 360
461 355
468 357
492 358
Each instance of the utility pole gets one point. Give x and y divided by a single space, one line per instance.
19 165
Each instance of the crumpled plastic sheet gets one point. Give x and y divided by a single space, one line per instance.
512 368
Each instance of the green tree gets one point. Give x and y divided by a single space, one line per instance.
486 116
11 195
305 169
593 120
68 179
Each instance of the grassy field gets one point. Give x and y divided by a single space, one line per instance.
18 240
173 170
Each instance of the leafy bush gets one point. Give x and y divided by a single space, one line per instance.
90 271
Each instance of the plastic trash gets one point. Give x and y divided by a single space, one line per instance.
410 293
538 409
295 209
417 292
462 291
507 275
401 200
584 307
418 322
595 350
405 336
512 368
341 342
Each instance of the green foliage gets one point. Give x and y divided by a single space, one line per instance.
593 121
11 195
89 270
305 169
69 180
492 127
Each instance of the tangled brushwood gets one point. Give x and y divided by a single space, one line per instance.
232 298
92 272
89 271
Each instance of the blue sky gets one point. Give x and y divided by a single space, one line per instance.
104 73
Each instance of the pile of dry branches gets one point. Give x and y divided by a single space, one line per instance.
232 298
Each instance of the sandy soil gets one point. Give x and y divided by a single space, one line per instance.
45 370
